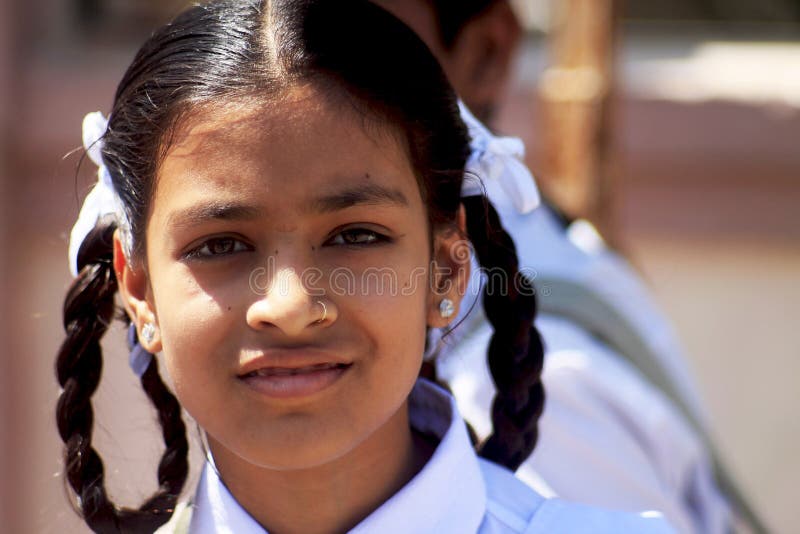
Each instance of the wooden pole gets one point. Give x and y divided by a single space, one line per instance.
576 91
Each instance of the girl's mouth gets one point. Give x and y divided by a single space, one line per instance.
288 382
284 371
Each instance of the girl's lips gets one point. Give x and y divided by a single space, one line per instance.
288 382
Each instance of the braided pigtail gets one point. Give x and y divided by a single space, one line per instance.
515 353
88 311
174 465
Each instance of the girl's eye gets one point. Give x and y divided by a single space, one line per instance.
358 236
219 246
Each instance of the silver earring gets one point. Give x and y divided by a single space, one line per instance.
447 308
148 332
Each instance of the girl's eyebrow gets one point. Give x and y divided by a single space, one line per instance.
201 213
370 194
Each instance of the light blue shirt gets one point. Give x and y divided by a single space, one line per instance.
455 493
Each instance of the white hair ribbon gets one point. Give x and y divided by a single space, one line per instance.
501 159
102 199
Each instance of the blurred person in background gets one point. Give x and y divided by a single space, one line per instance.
623 424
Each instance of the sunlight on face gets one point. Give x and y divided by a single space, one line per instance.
248 201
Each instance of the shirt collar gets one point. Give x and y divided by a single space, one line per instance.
447 496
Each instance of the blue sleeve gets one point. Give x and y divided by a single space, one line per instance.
556 516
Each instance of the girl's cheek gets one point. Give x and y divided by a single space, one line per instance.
375 280
191 319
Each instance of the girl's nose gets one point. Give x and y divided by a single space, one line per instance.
288 305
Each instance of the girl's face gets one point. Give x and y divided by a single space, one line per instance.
264 220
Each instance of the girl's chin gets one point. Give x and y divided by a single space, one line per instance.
303 445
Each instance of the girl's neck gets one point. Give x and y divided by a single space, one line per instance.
333 497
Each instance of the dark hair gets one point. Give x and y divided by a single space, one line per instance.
357 54
453 15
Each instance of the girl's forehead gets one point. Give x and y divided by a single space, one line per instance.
288 145
299 119
244 118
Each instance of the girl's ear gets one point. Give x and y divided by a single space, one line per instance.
450 270
134 290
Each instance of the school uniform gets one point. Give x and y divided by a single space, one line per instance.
455 492
611 435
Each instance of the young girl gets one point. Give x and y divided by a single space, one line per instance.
283 211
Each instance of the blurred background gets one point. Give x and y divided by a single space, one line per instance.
674 125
